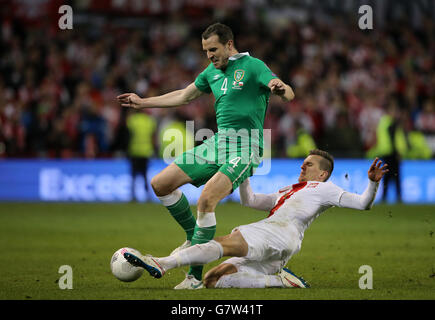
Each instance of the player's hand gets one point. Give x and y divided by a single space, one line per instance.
130 100
376 172
277 87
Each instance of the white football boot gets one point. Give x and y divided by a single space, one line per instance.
185 245
290 280
147 262
190 283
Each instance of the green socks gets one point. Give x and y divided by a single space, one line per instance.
181 212
200 231
205 230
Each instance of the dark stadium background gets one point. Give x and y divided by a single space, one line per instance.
54 81
58 87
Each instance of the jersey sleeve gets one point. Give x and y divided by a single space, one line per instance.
201 81
360 202
264 74
259 201
332 194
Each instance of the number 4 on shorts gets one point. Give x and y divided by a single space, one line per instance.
235 161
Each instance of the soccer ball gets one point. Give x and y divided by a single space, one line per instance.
122 269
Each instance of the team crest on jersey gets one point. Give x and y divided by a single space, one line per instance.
239 74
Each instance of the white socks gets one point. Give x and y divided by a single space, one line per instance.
249 280
171 198
198 254
205 219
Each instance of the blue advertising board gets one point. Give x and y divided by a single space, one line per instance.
110 180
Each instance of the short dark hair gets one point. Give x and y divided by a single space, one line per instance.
223 32
327 162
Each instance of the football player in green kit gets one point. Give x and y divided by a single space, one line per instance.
241 86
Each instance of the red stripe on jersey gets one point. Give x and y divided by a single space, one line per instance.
295 188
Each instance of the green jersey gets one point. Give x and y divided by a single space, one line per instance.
241 92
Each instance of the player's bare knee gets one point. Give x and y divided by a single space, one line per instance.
213 275
156 185
206 203
210 280
160 187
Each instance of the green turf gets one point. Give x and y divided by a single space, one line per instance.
36 239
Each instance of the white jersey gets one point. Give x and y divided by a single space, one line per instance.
293 208
301 203
273 240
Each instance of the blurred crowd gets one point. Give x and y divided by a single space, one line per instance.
58 89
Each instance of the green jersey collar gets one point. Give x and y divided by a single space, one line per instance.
238 55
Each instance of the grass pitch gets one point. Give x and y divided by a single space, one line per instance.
36 239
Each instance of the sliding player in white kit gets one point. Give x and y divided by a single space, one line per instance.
260 250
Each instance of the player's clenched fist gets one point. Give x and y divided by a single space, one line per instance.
277 86
281 89
130 100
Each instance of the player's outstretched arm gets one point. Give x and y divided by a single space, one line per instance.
171 99
376 172
278 87
259 201
365 201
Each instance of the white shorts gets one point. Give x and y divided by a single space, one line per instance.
270 246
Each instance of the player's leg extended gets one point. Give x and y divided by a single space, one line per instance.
230 245
226 275
217 188
165 185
